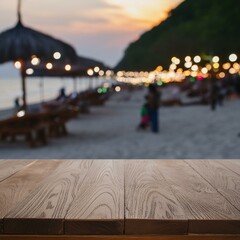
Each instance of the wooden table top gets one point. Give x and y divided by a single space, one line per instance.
119 197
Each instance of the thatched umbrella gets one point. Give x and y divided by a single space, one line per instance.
20 43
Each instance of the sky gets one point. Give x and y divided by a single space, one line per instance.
99 29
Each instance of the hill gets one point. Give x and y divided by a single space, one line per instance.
203 27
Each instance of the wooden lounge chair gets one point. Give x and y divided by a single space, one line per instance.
28 126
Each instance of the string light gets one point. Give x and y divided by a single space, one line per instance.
17 65
49 66
233 57
90 72
57 55
29 71
96 69
215 59
35 61
68 67
197 59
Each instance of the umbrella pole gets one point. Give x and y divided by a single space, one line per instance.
42 89
74 84
23 77
19 10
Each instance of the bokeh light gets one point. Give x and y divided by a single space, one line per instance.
35 61
188 64
188 59
96 69
197 59
233 57
68 67
57 55
90 72
226 66
29 71
17 65
215 59
49 66
117 88
194 67
204 70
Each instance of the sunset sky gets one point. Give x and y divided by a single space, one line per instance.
100 29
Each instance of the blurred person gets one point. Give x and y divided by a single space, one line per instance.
221 93
62 95
236 83
213 94
153 100
17 105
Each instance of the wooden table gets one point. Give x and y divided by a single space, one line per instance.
127 199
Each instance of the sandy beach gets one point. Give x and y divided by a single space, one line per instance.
109 132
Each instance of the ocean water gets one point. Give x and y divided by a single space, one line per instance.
42 89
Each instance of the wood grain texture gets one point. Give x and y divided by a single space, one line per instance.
15 188
48 204
113 197
10 167
99 206
198 198
150 206
221 178
233 165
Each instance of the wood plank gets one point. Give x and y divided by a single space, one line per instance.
150 206
233 165
165 194
15 188
123 237
44 209
10 167
221 178
99 206
200 201
225 226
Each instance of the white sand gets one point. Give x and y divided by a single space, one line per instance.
109 132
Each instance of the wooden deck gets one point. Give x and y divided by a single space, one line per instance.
127 199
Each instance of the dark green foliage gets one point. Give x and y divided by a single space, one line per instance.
205 27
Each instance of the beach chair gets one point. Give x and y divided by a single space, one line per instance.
28 127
